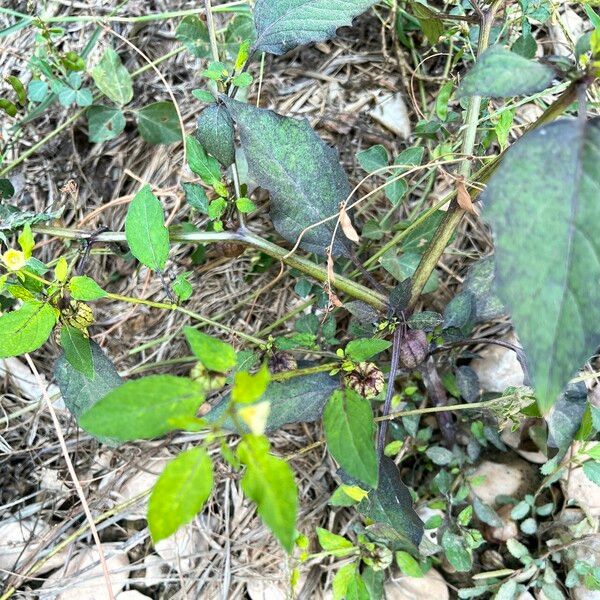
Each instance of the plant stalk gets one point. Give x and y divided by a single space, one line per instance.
455 213
244 237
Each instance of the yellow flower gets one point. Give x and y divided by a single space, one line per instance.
14 259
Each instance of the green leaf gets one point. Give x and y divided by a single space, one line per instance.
269 482
200 163
215 131
439 455
245 205
408 565
300 400
479 281
403 266
441 103
242 55
7 189
427 320
10 108
336 544
500 73
430 22
145 230
566 416
373 158
395 189
193 33
12 218
158 123
486 513
216 208
525 45
592 471
517 549
357 590
26 329
112 78
80 392
19 88
349 431
180 493
104 123
457 552
249 388
37 90
341 580
547 253
83 97
82 287
203 96
284 24
365 348
242 80
142 408
373 579
391 504
196 197
418 239
77 349
507 591
303 175
182 288
214 354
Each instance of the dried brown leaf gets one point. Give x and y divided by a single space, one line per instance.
464 198
347 226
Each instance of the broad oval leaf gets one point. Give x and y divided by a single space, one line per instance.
284 24
80 392
26 329
202 164
365 348
158 123
143 408
500 73
391 505
300 400
542 203
85 288
214 354
302 173
193 33
180 492
214 130
269 482
104 123
77 349
145 230
112 78
349 431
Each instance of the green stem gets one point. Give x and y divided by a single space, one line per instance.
286 375
446 408
317 272
343 284
455 213
189 313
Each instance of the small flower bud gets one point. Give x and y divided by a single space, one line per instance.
413 349
366 380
